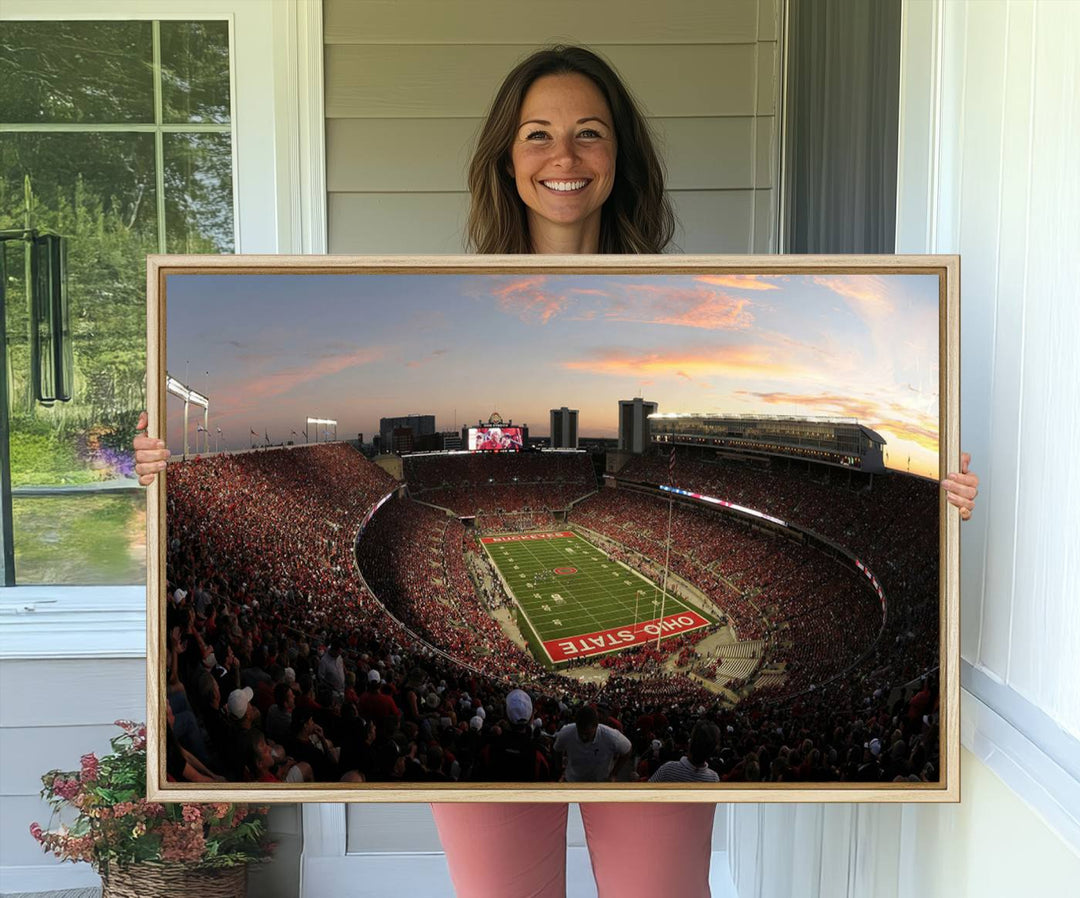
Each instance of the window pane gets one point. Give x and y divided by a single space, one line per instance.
195 71
98 191
198 193
76 72
81 540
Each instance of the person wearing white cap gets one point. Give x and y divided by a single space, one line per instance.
239 704
515 756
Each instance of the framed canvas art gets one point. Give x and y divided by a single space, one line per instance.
553 528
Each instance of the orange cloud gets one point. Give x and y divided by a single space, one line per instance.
738 281
724 361
866 294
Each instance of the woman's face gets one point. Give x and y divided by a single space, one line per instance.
563 154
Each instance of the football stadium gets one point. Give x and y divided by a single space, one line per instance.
336 616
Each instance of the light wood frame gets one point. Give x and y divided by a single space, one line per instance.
946 790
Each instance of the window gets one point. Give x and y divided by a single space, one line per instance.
117 135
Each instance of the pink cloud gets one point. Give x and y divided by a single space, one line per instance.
686 307
528 299
277 383
532 300
738 281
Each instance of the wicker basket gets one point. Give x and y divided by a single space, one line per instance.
174 881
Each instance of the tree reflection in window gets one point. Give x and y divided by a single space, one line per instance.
117 135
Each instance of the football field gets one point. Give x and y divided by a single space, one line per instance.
576 601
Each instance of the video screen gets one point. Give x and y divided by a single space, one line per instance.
495 439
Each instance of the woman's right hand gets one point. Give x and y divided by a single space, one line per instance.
150 453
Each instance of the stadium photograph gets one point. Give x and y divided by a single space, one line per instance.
433 531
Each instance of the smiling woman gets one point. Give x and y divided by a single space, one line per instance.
563 162
560 118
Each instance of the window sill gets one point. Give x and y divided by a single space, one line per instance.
1040 763
72 622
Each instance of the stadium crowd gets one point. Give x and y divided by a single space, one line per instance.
283 665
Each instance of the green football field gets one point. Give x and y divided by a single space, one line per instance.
577 602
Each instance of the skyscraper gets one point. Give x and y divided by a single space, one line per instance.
564 428
634 433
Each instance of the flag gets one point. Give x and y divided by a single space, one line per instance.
671 465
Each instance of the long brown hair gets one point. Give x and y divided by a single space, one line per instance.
637 216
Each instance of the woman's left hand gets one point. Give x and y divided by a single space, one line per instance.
962 488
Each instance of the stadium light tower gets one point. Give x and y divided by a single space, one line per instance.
319 421
189 396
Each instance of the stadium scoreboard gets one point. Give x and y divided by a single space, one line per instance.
496 439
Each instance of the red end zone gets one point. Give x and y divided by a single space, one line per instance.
623 637
522 537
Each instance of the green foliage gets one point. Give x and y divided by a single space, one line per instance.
39 458
81 539
99 190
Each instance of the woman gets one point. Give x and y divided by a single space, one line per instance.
565 164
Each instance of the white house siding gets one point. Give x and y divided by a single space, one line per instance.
408 82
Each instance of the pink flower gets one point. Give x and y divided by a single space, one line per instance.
151 808
192 813
65 788
36 831
181 842
89 768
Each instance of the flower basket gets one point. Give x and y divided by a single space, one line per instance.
173 881
147 849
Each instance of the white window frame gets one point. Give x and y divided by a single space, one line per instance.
279 200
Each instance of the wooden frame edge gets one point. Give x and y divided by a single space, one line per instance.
946 791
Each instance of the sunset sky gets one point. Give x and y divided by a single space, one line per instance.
279 348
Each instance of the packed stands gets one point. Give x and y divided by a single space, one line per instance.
403 678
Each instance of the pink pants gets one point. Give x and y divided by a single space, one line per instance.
638 850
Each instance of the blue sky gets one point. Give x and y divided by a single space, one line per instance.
279 348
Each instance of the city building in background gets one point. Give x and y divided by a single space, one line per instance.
634 433
564 428
418 425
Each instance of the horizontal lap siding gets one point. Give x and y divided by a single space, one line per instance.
53 712
408 83
460 81
524 22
